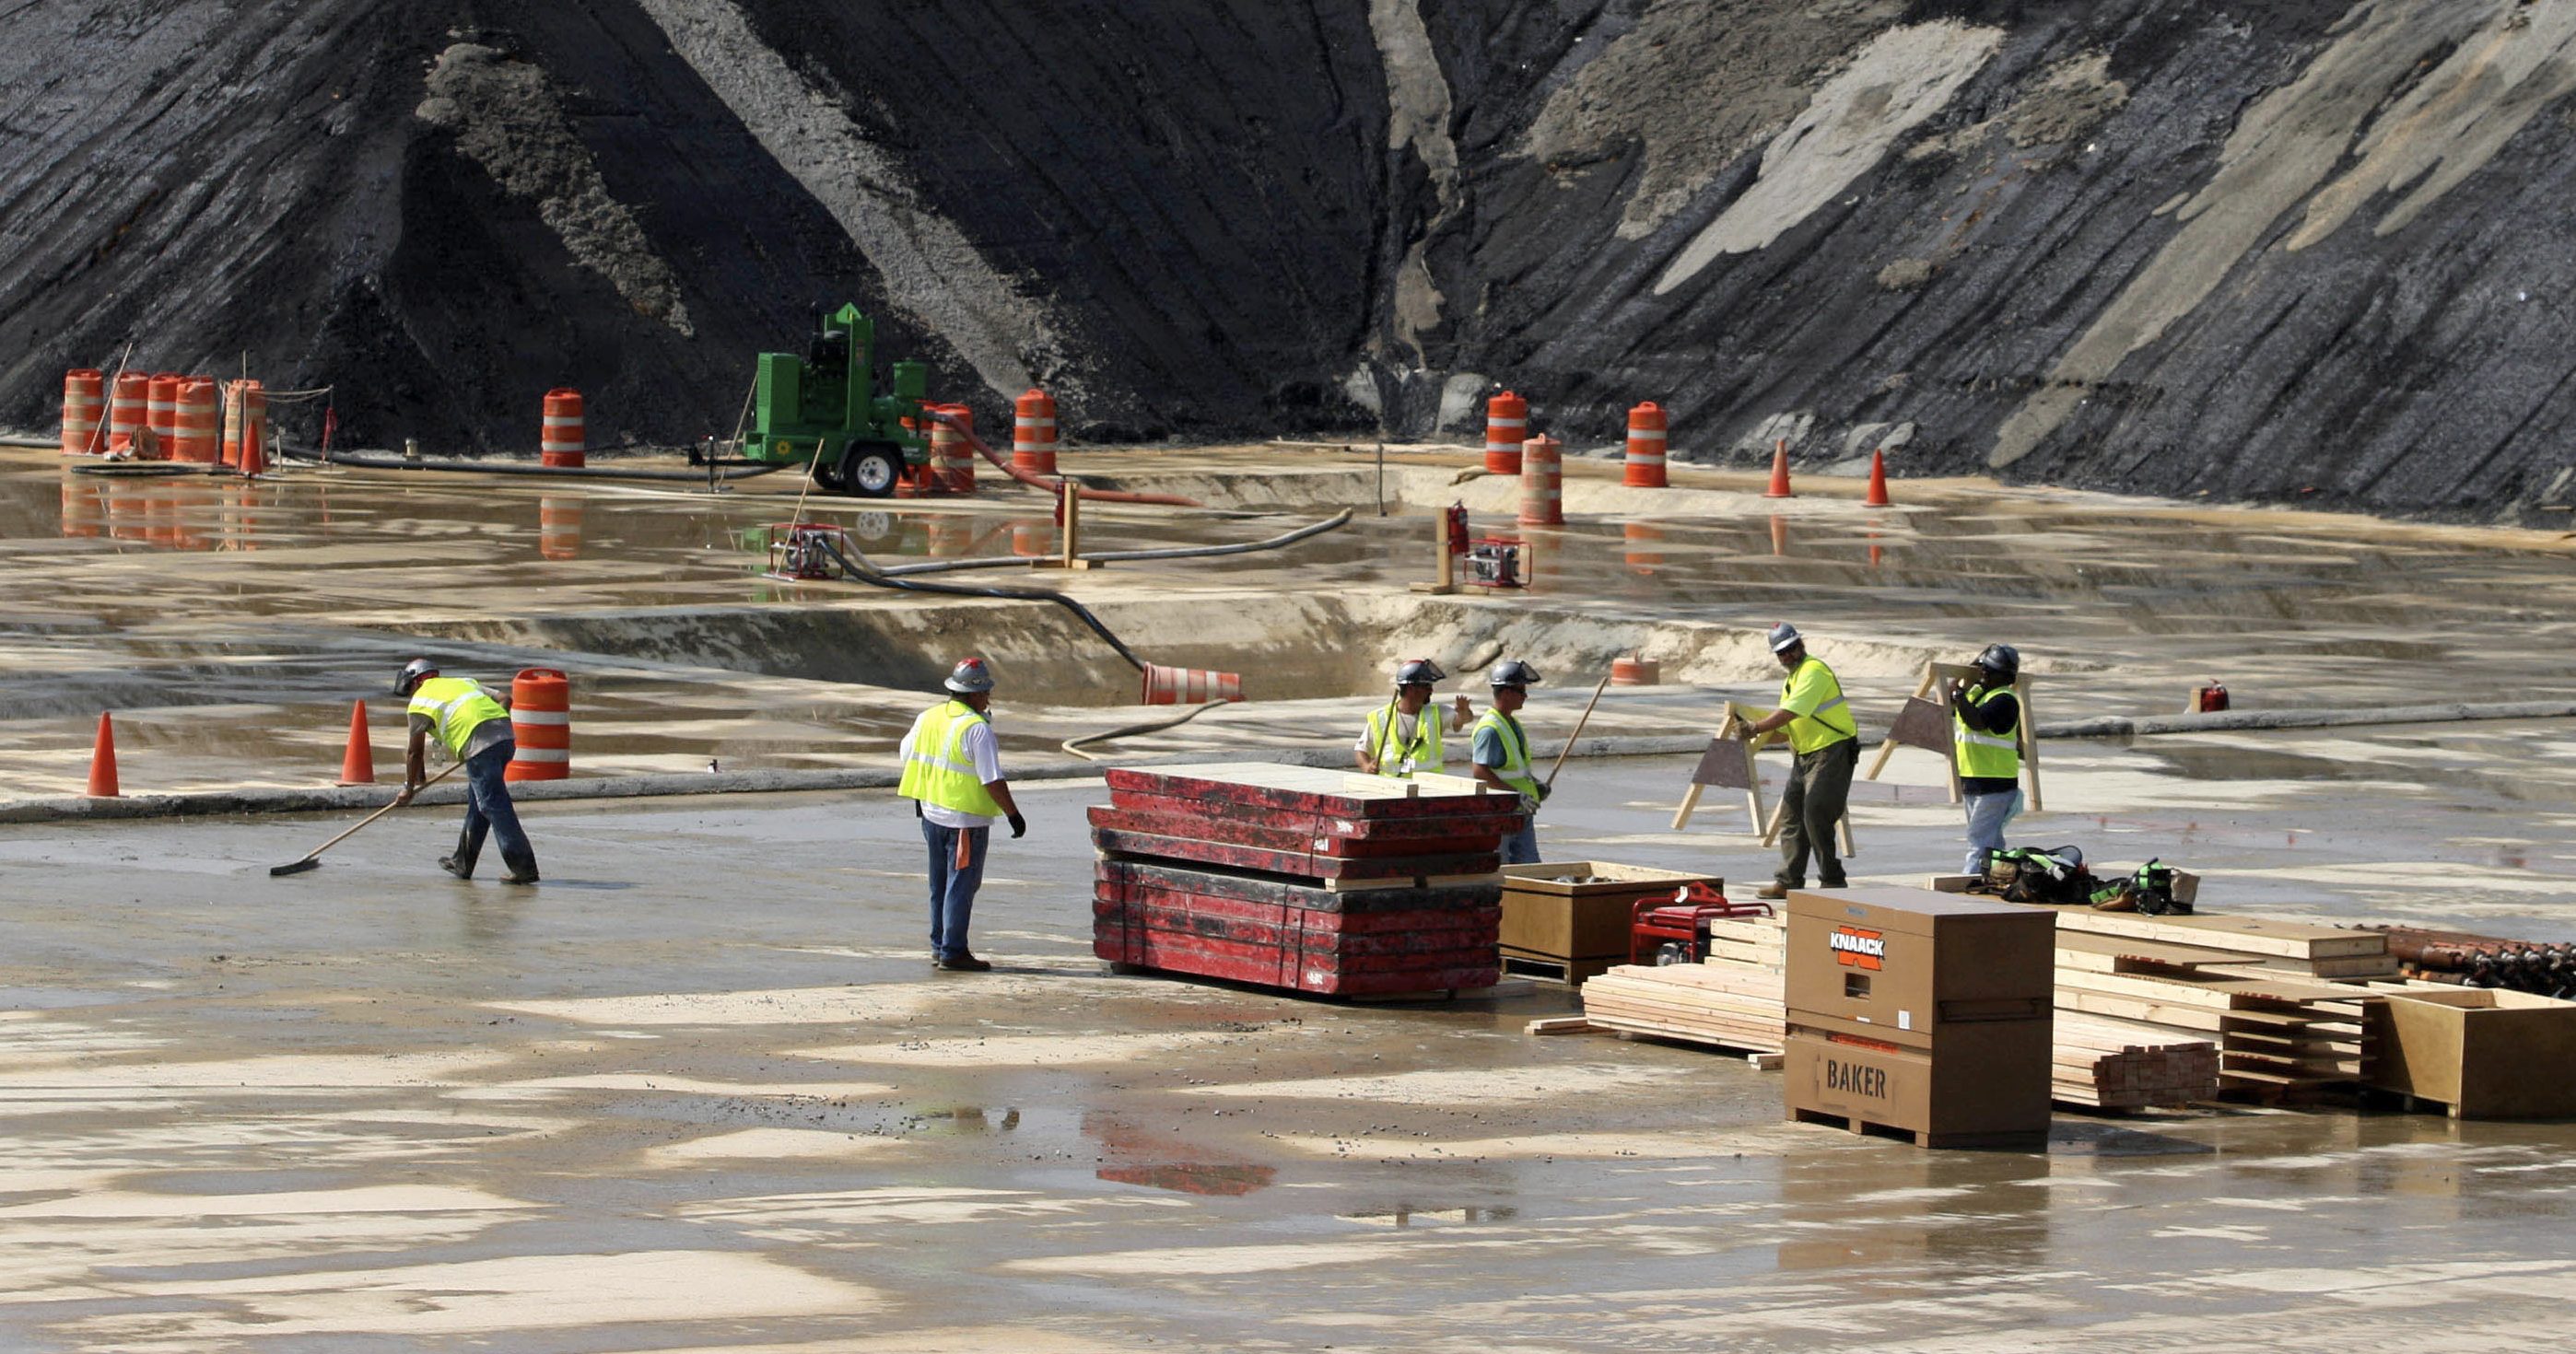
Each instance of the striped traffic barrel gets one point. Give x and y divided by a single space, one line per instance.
1636 670
161 411
952 460
194 427
1506 428
1542 488
1645 447
1189 686
541 721
84 404
1033 433
566 437
129 409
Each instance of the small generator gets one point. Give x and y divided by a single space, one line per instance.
1675 930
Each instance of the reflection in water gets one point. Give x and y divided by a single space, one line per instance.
559 526
1192 1178
1974 1212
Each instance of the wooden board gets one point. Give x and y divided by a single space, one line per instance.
2248 935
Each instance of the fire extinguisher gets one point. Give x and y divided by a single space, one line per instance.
1457 528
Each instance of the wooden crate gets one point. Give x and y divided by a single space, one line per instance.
2485 1053
1543 915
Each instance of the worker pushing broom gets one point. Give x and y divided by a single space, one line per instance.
475 730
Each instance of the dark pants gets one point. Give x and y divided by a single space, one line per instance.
1813 803
488 809
952 890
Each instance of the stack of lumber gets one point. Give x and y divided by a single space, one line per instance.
1305 879
2119 1065
1731 999
2253 985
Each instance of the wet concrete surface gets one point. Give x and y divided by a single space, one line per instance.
228 626
700 1090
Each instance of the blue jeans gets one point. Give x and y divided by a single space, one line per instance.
1521 848
488 808
1987 815
952 890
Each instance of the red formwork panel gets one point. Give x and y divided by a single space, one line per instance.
1308 833
1297 863
1271 966
1286 932
1187 877
1308 789
1492 814
1325 923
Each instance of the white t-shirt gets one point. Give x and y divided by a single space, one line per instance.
983 752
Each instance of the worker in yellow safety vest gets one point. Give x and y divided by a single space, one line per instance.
1826 740
1502 758
1401 737
475 730
1985 739
952 771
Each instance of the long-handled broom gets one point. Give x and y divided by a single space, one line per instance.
313 859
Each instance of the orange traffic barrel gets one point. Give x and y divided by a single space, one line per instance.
952 461
84 404
559 527
1636 670
1542 487
193 427
566 438
541 721
1189 686
129 408
161 411
1033 432
1506 428
1645 447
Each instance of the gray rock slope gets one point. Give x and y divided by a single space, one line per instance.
2295 251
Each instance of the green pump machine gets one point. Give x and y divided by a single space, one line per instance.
824 408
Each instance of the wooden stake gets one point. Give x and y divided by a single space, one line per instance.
1444 570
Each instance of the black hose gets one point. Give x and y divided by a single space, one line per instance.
865 572
1124 556
365 461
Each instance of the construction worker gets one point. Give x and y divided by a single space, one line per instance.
475 730
1501 755
1826 740
1399 739
1985 739
952 771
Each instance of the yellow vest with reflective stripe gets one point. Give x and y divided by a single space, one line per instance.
1398 758
1813 684
455 707
1515 770
939 771
1981 755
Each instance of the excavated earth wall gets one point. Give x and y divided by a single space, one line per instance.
2300 250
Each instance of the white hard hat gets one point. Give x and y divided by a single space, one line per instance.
1783 636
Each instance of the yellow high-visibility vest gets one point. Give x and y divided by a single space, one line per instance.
1515 770
1396 757
455 707
1981 755
1813 689
939 771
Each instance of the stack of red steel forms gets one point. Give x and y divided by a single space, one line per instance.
1312 880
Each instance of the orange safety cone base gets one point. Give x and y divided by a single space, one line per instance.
358 764
102 761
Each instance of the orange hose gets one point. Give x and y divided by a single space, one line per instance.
1056 485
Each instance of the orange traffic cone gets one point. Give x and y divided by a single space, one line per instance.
358 764
1779 471
102 761
1877 481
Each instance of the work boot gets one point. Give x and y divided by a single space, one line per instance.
524 872
1775 890
964 963
448 863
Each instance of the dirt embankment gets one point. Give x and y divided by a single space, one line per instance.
2282 251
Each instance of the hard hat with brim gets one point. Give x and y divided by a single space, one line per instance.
968 677
1784 636
1418 672
1513 673
412 674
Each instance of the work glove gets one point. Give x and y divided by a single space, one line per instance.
1019 826
1544 789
